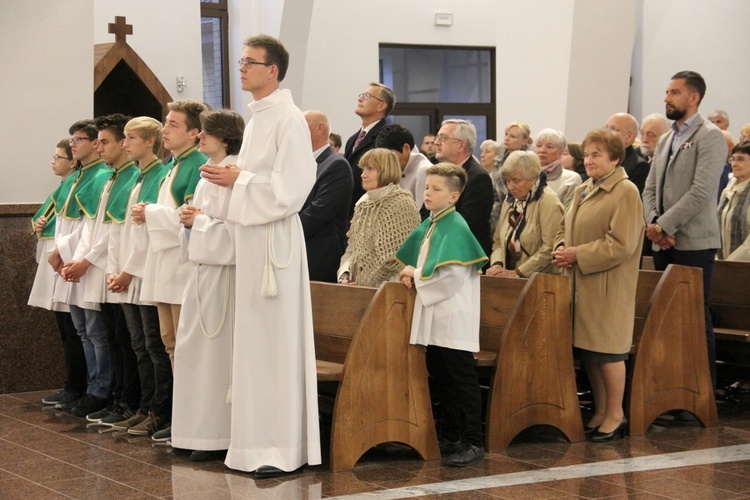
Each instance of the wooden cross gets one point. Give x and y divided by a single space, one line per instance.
120 29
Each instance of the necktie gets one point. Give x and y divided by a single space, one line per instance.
361 136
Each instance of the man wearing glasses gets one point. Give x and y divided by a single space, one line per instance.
274 395
80 209
634 164
373 105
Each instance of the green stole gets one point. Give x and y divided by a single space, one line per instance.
186 175
449 242
150 179
50 207
85 195
123 181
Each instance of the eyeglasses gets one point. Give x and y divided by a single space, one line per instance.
738 159
247 63
57 158
443 138
613 129
76 140
366 95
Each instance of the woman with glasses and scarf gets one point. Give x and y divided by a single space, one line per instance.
529 219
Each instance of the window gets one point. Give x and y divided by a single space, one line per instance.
434 83
214 40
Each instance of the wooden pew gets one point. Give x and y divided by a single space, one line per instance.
362 342
527 323
730 303
669 368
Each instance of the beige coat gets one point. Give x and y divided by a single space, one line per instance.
607 230
543 218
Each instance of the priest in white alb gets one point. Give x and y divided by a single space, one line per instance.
274 387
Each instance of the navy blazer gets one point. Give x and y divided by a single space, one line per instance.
325 216
353 156
636 167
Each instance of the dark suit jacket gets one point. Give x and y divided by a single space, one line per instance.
475 203
353 156
325 216
636 167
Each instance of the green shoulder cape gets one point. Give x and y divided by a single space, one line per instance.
186 175
85 195
123 181
55 202
450 242
150 180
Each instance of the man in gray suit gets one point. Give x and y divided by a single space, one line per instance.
679 200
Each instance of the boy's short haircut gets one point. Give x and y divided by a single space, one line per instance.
115 123
276 53
336 138
454 175
65 144
226 125
147 128
394 137
192 110
87 126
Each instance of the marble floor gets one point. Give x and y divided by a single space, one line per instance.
46 454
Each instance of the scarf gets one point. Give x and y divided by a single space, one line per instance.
738 219
553 170
517 221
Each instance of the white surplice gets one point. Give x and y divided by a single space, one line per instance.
201 412
274 384
446 308
45 279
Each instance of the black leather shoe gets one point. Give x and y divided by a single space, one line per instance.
268 471
207 456
468 454
602 437
588 431
448 447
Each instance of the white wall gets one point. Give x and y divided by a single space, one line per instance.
708 37
46 84
166 35
342 49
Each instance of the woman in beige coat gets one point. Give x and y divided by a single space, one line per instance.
599 245
529 220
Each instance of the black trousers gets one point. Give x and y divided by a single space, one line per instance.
126 384
76 374
705 260
456 385
154 367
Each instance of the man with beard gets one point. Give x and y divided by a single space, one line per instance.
654 126
679 200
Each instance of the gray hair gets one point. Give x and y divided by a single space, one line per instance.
388 95
718 113
662 120
493 144
465 131
554 136
525 163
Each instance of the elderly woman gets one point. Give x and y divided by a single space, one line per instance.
550 145
734 216
517 138
490 149
572 159
599 245
529 220
383 218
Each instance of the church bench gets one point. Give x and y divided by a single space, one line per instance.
668 366
730 304
362 342
526 325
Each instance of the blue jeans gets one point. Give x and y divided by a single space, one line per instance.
90 326
703 259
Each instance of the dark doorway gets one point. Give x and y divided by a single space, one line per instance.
122 91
